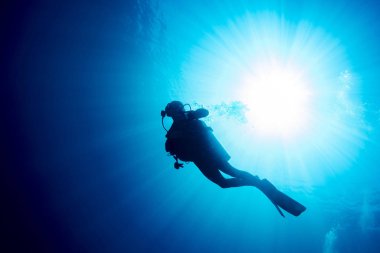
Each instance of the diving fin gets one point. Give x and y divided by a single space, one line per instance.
280 199
278 209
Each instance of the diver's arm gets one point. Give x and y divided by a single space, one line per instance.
197 114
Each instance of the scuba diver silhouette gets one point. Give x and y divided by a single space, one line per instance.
190 140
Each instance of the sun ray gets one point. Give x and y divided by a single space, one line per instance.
304 122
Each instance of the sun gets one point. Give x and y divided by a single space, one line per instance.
278 98
300 118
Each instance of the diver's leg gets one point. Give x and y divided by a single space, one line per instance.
227 168
214 175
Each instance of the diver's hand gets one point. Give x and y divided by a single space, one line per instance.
178 165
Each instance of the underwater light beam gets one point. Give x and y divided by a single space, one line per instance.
303 116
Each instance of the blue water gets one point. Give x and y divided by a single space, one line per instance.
85 165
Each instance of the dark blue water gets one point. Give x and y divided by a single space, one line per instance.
83 161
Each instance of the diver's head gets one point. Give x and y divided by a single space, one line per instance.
175 109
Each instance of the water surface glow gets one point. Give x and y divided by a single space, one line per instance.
304 120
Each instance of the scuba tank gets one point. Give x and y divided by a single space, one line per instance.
183 137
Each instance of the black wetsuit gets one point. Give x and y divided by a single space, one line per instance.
191 140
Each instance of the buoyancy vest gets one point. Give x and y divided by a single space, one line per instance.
186 138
